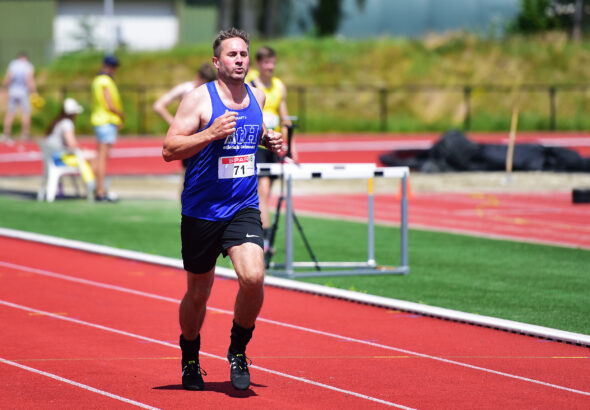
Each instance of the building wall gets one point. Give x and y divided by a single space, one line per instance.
26 25
44 28
137 25
409 17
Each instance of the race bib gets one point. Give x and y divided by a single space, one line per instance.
239 166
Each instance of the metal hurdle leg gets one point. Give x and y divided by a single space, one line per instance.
371 227
404 227
289 228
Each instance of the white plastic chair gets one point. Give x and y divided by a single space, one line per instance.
52 174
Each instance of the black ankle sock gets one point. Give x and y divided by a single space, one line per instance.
240 337
190 348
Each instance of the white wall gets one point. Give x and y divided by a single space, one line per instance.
140 25
408 17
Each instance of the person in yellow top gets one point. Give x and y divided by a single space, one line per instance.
107 118
276 117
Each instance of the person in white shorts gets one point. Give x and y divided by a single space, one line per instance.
18 84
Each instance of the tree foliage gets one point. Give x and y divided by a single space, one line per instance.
542 15
327 15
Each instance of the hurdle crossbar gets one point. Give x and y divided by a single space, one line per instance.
291 172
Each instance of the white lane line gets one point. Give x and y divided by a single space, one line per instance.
288 325
80 385
312 146
163 343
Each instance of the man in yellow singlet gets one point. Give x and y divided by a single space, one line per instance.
276 117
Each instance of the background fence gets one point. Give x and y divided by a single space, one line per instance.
404 108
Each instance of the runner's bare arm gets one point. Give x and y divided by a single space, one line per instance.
183 139
161 103
285 123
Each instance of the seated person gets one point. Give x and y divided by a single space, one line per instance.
61 138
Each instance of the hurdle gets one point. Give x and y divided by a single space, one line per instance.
293 172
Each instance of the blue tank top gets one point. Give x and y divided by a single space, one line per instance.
220 180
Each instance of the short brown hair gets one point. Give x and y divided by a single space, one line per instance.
226 34
207 72
265 52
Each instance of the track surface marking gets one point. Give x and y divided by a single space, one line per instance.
143 155
378 353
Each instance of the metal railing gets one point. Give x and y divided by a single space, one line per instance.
299 98
382 95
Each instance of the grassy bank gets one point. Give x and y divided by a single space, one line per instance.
536 284
334 84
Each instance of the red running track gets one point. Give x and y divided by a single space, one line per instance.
549 217
545 217
111 325
142 155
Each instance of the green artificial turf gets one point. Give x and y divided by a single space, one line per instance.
537 284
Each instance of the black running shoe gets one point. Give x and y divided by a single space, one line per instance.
109 197
238 370
192 375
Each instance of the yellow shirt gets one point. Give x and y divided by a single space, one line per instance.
101 115
274 96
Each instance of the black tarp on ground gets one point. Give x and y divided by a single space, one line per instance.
454 152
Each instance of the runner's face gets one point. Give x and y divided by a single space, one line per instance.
109 69
266 66
234 59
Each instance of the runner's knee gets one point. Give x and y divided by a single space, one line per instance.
251 281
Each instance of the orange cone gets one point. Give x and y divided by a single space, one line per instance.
408 190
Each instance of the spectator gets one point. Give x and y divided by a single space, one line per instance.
61 138
107 118
20 82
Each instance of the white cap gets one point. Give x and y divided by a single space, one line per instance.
71 107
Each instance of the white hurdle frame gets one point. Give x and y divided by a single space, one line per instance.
369 171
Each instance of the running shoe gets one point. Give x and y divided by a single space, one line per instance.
238 370
109 197
192 375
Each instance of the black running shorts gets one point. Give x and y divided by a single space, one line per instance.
203 240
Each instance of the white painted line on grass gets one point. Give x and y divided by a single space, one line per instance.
288 325
163 343
80 385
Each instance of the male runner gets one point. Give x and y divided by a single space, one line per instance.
276 117
218 127
205 74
